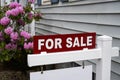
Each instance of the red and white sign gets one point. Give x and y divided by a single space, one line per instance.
64 42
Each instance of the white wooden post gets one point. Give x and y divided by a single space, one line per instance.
103 67
2 2
8 1
32 25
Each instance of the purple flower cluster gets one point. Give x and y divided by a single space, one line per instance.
31 1
38 15
25 34
4 21
28 45
10 46
14 5
14 35
8 30
15 12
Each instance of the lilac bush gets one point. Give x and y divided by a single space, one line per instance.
15 42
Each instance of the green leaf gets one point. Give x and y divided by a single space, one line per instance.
2 44
1 27
6 58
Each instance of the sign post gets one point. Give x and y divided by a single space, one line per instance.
103 67
103 53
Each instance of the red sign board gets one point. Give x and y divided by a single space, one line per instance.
64 42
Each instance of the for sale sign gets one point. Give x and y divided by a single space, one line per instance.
64 42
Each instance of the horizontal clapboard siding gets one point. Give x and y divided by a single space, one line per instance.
107 7
83 26
106 19
100 16
115 76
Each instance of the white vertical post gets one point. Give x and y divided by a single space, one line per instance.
2 2
103 66
8 1
32 25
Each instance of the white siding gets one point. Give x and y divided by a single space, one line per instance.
100 16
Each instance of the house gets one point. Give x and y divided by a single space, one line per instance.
77 16
100 16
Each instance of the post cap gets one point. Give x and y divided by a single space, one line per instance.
105 38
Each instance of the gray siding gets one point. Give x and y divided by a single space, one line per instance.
100 16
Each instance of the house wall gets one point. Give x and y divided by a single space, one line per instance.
100 16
